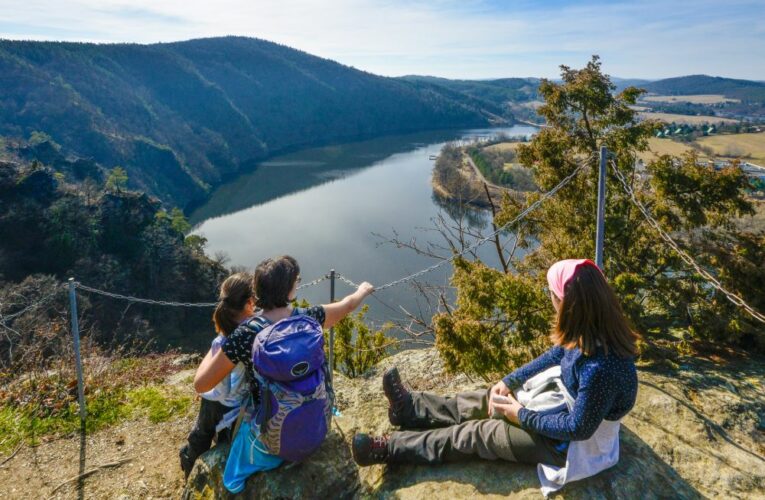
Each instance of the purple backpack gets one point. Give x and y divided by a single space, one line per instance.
296 395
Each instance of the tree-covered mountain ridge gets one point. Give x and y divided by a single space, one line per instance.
182 116
745 90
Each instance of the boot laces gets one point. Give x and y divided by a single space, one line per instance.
379 447
400 394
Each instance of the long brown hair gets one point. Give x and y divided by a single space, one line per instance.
590 315
235 291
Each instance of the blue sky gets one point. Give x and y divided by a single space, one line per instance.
450 38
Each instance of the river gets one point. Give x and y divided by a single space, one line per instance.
335 207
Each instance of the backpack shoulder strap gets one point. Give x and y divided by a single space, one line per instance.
256 324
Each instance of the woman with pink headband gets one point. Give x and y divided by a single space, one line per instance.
590 371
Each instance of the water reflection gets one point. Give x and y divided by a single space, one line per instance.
327 208
305 169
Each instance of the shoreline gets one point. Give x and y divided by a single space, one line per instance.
472 177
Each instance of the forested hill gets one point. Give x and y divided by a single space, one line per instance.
745 90
180 116
506 97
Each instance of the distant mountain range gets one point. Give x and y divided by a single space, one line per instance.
746 90
180 117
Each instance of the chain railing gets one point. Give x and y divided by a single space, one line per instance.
734 298
156 302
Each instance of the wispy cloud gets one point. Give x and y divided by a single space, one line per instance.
467 38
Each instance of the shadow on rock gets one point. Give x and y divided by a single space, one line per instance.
330 473
640 473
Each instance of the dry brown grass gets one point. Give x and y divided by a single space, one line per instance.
689 119
658 147
693 99
504 146
745 146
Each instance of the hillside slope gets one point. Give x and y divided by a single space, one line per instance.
502 96
181 116
745 90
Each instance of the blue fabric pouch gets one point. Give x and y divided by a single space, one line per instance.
246 457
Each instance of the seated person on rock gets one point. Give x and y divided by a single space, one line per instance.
220 405
255 445
591 371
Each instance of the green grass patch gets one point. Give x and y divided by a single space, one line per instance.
31 424
157 403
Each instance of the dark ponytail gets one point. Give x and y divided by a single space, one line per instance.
235 291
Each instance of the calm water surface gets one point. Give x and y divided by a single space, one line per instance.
334 207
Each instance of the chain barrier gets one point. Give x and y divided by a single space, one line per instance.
735 299
346 280
314 282
488 237
140 300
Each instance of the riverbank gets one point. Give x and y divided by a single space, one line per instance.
457 179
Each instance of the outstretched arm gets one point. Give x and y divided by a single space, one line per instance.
338 310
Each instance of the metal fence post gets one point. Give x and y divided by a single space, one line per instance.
77 357
331 330
600 228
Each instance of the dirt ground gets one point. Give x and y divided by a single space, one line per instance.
154 471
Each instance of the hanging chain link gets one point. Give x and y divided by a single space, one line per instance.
314 282
346 280
140 300
735 299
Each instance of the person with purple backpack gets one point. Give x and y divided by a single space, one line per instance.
282 349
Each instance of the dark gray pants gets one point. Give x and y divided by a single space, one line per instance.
461 429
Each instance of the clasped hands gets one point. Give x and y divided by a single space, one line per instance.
509 410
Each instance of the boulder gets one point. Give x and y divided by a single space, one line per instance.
689 436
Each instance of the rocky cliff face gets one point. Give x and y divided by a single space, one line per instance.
697 431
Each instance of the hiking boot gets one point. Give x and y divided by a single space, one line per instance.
399 398
370 450
187 461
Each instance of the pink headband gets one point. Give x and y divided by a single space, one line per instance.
562 271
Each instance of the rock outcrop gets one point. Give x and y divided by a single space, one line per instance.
693 433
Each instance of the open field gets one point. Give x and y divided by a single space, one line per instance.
504 146
689 119
749 147
658 147
693 99
745 146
